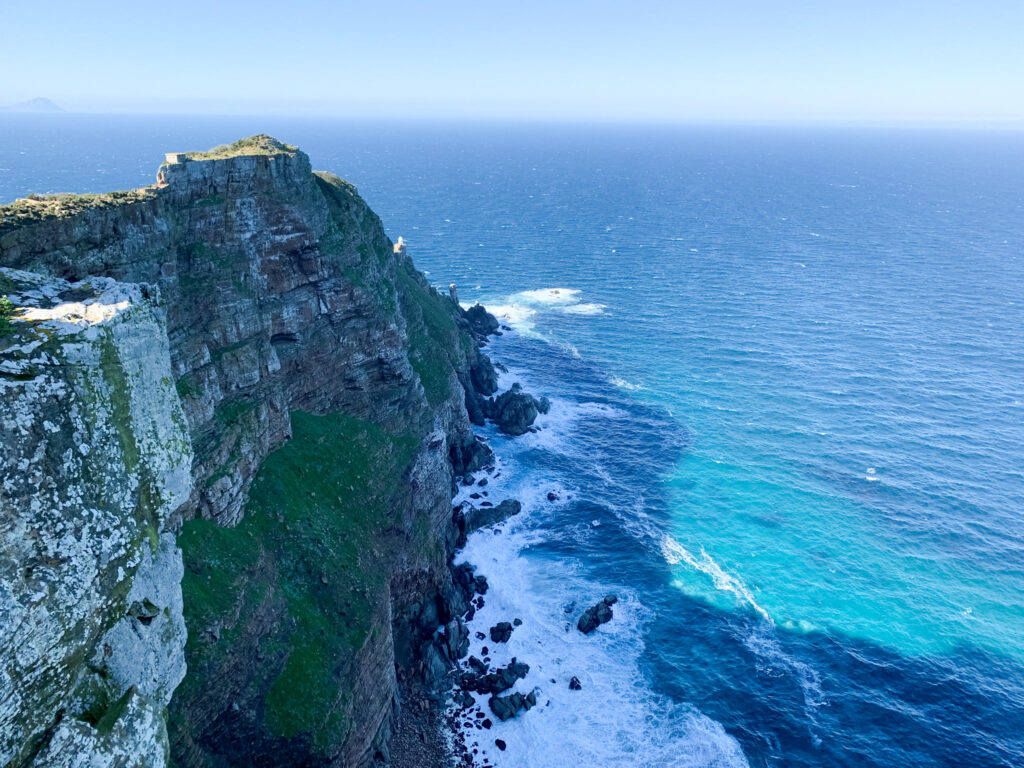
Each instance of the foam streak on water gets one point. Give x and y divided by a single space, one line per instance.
616 719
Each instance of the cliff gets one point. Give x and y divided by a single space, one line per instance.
229 403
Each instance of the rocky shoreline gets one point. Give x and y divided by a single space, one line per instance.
451 729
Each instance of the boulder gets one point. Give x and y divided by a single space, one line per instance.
597 615
501 632
575 684
515 411
495 682
507 707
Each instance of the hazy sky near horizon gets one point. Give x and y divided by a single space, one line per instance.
645 59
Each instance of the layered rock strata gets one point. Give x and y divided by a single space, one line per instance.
229 403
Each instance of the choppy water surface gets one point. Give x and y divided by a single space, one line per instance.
788 375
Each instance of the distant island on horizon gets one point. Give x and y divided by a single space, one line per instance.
39 104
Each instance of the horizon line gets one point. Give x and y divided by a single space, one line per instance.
893 121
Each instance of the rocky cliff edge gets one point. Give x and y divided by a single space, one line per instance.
229 403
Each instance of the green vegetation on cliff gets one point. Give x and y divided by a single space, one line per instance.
6 313
260 144
33 208
434 341
309 542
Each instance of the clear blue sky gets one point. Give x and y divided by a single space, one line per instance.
568 59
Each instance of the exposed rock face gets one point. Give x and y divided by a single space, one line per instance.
481 322
595 616
507 707
308 569
469 518
95 460
515 411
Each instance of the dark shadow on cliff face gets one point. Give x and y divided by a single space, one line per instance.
790 699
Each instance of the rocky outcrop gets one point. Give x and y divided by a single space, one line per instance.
501 632
481 322
515 411
595 616
469 518
500 680
245 362
507 707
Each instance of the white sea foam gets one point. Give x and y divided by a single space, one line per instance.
518 316
551 295
627 385
520 309
616 720
676 553
585 309
764 643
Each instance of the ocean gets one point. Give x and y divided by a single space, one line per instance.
787 374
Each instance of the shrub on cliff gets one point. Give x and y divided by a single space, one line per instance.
6 313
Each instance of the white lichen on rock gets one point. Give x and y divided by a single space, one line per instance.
96 458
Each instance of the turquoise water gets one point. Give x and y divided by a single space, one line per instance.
788 371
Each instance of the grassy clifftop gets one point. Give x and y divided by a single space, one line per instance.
33 208
260 144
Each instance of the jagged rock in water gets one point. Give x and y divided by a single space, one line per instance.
501 632
515 411
500 680
469 518
597 615
507 707
483 376
470 456
96 459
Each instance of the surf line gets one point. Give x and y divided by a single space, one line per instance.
676 553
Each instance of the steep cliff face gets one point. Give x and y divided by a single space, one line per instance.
96 457
323 385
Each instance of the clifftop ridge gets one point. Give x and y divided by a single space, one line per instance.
275 338
34 208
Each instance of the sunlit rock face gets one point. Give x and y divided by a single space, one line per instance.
254 325
96 459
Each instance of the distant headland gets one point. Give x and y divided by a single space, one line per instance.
39 104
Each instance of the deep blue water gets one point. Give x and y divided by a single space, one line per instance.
788 375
